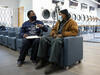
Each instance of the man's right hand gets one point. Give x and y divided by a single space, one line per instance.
55 35
25 35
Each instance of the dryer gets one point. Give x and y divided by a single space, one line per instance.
43 10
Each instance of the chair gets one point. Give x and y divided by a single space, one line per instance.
5 38
19 44
2 34
12 36
12 40
72 51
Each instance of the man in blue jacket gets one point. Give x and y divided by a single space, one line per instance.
30 28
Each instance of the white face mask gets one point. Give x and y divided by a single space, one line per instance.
60 18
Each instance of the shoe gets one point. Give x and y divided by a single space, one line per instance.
20 63
51 68
41 64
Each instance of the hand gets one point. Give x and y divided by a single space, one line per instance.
39 25
59 35
55 35
25 35
52 33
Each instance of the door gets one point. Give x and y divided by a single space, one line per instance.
20 16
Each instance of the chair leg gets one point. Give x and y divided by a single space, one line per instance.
79 61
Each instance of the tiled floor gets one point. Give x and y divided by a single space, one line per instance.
8 65
89 66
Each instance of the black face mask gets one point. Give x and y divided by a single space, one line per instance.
33 18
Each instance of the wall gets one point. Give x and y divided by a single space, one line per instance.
27 4
39 5
9 3
14 5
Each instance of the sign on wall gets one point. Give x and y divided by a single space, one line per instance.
91 8
84 6
73 3
56 1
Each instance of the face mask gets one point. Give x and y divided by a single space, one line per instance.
60 18
33 18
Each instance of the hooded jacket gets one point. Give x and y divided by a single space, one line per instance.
69 29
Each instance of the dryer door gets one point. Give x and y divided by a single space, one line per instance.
46 14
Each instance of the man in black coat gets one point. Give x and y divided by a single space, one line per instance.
31 27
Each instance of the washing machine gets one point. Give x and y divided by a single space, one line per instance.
78 19
48 16
43 10
74 16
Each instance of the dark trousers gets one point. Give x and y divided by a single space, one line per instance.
52 47
27 44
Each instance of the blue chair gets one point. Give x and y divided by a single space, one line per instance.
19 44
2 34
19 41
1 37
5 41
72 51
5 38
12 40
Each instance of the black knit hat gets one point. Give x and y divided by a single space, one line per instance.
65 11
